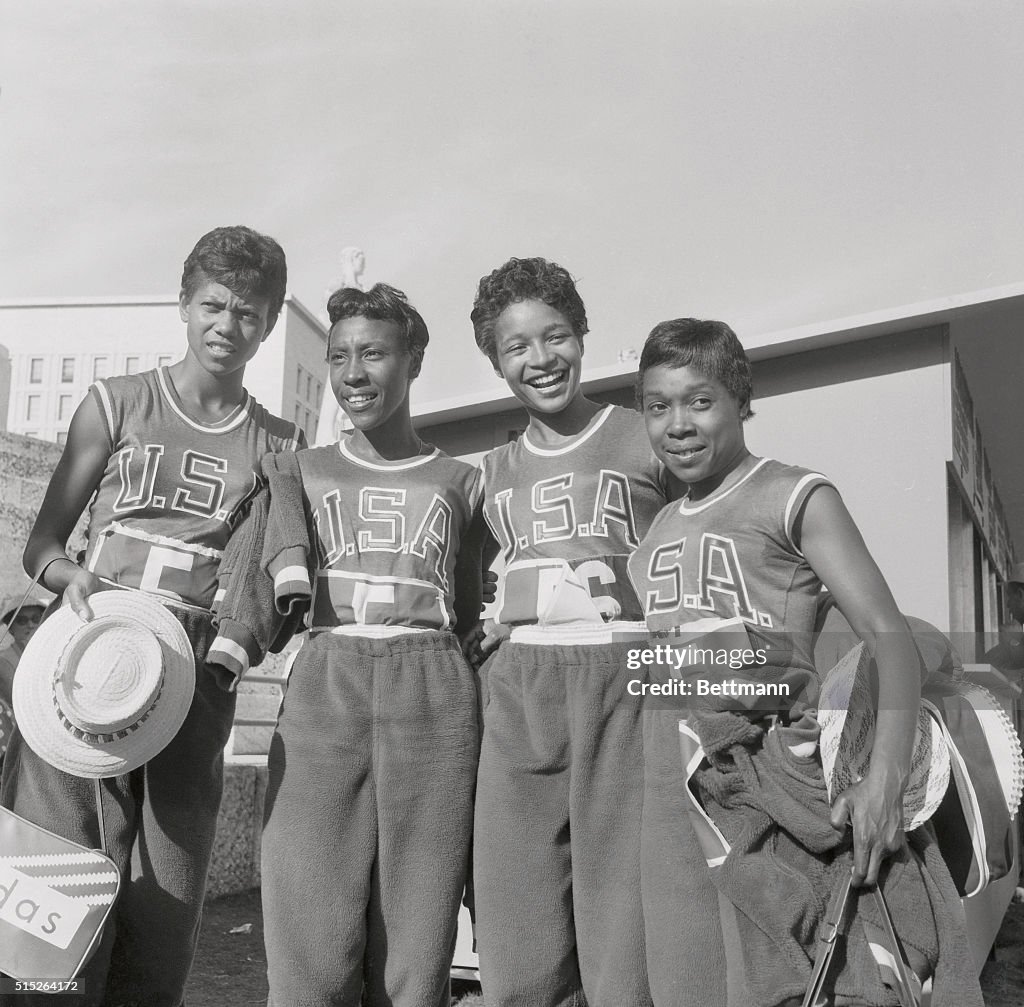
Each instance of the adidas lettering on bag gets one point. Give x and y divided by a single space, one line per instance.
54 899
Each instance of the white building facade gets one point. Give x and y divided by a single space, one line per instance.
58 347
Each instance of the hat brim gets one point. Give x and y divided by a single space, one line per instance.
37 716
847 720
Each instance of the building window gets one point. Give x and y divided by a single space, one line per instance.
164 360
309 387
35 371
64 407
62 437
319 393
32 409
100 367
309 425
298 415
298 381
67 370
131 365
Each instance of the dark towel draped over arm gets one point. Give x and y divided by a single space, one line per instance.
251 616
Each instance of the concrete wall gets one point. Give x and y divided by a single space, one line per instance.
235 865
25 469
873 417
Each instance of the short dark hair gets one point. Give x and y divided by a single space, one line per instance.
533 279
381 303
707 346
243 260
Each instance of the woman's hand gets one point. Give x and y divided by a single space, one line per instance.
484 637
489 588
874 808
79 587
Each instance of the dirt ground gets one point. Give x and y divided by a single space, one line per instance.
230 969
1002 978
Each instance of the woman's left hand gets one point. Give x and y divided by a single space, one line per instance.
874 809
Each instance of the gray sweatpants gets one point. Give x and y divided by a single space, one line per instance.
685 949
368 821
557 833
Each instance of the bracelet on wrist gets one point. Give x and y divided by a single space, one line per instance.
41 578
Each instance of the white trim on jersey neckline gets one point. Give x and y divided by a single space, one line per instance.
683 509
232 420
393 467
595 425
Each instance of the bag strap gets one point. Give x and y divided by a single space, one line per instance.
832 926
908 986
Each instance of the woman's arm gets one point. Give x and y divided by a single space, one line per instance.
833 547
74 481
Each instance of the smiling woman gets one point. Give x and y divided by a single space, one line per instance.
539 355
557 846
375 348
752 543
695 402
373 762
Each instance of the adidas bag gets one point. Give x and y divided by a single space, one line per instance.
55 897
974 823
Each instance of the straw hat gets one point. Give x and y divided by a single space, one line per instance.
847 718
100 698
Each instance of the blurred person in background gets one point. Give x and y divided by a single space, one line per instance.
1008 654
18 630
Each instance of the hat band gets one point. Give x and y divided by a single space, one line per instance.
105 739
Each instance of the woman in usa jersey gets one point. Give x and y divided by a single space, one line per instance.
733 910
169 459
556 841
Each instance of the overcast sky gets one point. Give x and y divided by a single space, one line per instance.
770 163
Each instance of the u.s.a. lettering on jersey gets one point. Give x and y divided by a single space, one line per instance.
383 521
553 509
201 492
720 574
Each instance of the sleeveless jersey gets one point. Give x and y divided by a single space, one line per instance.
174 487
387 535
568 518
733 555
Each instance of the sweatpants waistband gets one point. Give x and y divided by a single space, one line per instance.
406 644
